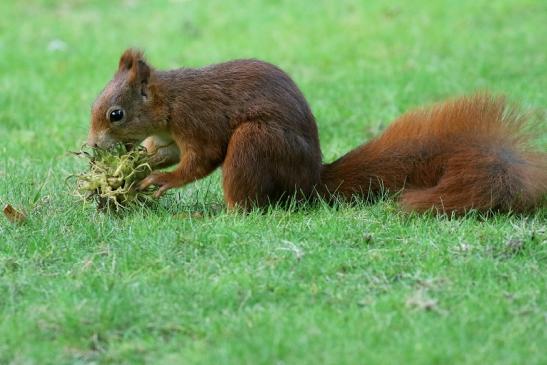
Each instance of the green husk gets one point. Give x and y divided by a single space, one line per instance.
113 176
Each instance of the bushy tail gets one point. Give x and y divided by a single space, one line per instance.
469 153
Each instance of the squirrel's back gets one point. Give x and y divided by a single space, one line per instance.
469 153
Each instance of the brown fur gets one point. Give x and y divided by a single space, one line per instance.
250 118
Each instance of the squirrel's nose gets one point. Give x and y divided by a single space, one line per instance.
91 142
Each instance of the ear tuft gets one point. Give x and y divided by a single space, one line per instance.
132 61
129 58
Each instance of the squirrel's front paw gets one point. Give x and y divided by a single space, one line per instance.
164 180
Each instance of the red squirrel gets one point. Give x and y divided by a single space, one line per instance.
250 118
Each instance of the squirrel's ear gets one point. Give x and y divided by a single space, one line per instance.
128 58
132 61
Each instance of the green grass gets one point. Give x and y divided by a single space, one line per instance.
188 283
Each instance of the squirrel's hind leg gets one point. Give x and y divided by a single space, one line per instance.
263 166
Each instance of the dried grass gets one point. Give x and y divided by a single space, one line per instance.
112 178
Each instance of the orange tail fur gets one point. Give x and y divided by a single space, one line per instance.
469 153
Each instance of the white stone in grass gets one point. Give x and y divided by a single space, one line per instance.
57 45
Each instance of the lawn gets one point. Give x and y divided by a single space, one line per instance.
187 282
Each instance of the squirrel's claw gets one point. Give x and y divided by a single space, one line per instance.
162 190
163 180
146 182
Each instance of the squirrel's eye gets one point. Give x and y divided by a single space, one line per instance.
115 115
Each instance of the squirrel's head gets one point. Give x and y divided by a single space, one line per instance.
126 111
